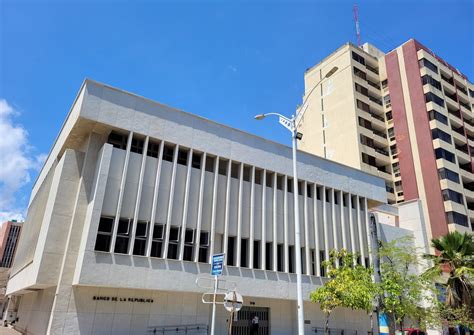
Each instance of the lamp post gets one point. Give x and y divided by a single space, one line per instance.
292 124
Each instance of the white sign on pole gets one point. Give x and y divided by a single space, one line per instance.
233 301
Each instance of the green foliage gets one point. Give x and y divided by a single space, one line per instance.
404 291
348 286
456 258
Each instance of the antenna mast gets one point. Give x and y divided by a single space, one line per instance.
356 19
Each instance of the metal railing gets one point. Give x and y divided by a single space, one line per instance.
180 329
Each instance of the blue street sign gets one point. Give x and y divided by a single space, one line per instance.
217 264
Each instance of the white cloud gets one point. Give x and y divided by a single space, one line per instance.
232 68
17 162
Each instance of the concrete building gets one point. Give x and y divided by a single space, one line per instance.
406 116
135 197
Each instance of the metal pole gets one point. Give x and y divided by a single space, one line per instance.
213 318
299 292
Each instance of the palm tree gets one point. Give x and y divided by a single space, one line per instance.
455 258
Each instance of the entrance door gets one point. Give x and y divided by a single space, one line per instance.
243 321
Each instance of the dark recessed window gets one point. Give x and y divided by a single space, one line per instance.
153 149
433 97
123 236
434 115
452 196
210 161
104 234
440 153
438 133
457 218
426 63
119 141
196 160
182 156
448 174
137 146
168 153
358 58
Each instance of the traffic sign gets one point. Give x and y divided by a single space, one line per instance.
217 264
233 301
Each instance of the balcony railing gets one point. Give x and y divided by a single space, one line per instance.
448 80
469 122
381 151
375 116
379 133
456 113
373 69
462 148
376 100
462 89
464 105
466 167
373 84
453 96
459 130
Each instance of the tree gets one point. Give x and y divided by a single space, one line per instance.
348 286
453 270
456 258
404 292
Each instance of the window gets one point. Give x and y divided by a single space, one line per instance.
168 153
182 157
230 250
223 167
426 63
457 218
188 244
104 234
361 89
280 258
391 132
367 159
363 106
450 195
256 254
141 234
234 171
358 58
244 252
434 115
203 247
366 141
322 268
173 243
438 133
309 191
427 79
157 240
448 174
440 153
318 193
123 236
137 146
384 83
246 176
328 195
365 123
289 185
119 141
291 260
269 179
300 188
196 160
389 116
360 74
153 149
433 97
258 177
268 256
210 161
279 182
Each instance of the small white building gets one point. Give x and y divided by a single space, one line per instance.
136 196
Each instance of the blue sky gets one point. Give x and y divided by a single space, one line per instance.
223 60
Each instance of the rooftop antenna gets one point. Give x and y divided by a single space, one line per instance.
356 19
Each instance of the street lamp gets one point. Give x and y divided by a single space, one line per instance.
292 125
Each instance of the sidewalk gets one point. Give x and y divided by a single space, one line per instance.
8 331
